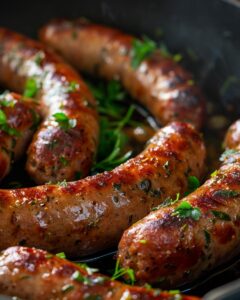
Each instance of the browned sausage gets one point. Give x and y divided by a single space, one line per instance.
193 235
37 275
232 139
86 216
159 83
65 145
19 118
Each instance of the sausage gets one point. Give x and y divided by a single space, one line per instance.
180 245
64 146
232 138
89 215
19 118
35 274
159 83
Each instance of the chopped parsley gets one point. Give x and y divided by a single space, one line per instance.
186 210
167 202
31 88
119 272
63 120
221 215
5 127
141 49
193 184
61 255
73 87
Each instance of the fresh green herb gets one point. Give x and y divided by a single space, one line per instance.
193 184
226 193
207 237
109 97
67 288
89 270
213 174
39 58
63 161
5 102
73 87
221 215
143 242
5 127
48 255
119 272
186 210
31 88
174 292
64 121
167 202
114 140
141 49
79 277
61 255
61 183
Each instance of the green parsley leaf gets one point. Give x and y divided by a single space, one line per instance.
141 49
73 87
193 184
61 255
63 120
3 118
221 215
186 210
119 272
31 88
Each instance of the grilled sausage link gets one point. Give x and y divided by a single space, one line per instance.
159 83
35 274
18 121
65 144
89 215
193 235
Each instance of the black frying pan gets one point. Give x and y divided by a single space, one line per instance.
207 32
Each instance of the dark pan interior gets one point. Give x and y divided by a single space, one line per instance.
206 32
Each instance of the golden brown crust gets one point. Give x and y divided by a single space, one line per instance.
35 274
22 117
89 215
178 249
57 152
159 83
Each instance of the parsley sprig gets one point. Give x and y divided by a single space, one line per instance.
113 119
119 272
63 120
31 88
186 210
5 127
141 49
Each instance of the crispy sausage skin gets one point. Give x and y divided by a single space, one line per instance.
63 146
89 215
178 248
159 83
19 118
37 275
